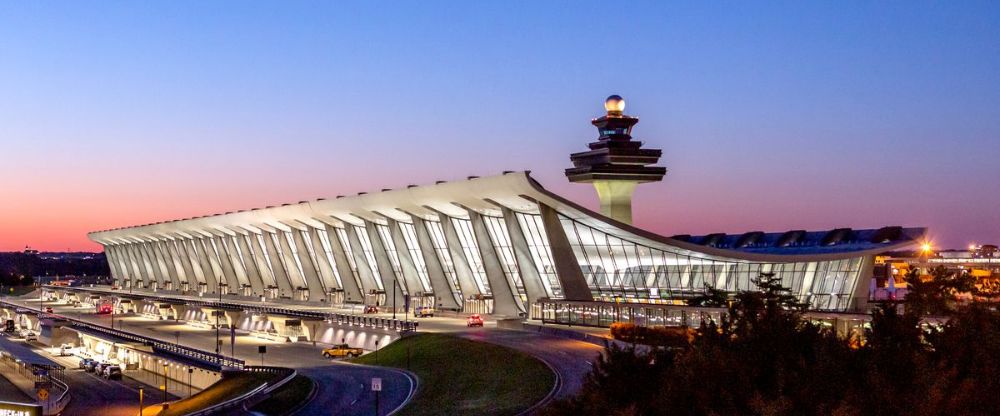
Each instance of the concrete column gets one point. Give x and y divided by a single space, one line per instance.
406 263
169 263
263 266
291 267
366 272
278 266
254 275
530 275
443 292
226 263
139 272
616 198
463 270
323 265
310 268
116 274
237 262
153 264
208 269
185 273
506 299
386 271
574 285
186 246
352 290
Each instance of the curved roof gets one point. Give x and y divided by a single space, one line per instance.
519 192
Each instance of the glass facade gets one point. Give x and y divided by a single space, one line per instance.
441 249
500 238
369 252
471 249
410 238
541 253
328 251
618 269
390 249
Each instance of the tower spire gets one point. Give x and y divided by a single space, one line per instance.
615 163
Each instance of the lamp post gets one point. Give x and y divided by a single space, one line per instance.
140 401
394 299
164 382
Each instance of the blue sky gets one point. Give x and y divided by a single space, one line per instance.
772 116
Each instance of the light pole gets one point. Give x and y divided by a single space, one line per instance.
140 401
394 299
164 382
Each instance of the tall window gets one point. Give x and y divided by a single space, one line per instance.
328 251
346 245
390 249
541 253
369 252
497 230
441 249
471 250
410 238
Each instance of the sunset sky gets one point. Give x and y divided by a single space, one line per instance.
771 116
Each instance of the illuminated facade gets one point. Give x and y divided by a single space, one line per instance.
499 244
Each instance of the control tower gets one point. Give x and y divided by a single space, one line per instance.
615 163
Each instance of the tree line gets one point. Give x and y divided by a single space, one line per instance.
930 354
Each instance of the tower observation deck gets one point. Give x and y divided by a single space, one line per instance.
615 163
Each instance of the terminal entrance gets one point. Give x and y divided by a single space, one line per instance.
480 304
375 297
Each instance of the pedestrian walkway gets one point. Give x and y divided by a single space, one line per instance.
10 392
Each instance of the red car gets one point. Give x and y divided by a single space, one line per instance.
474 320
371 309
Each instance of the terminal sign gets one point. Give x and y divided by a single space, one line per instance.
19 409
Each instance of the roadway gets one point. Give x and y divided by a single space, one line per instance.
339 383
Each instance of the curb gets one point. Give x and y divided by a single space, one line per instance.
556 385
309 399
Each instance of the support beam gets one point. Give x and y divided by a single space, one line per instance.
530 275
348 277
506 299
411 276
466 282
253 274
278 265
385 269
367 273
571 279
309 259
209 267
324 265
444 294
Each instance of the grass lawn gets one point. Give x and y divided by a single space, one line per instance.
287 397
233 385
459 376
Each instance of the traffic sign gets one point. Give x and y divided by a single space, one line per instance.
43 394
376 384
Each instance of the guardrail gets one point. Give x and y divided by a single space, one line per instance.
260 391
211 360
61 401
342 318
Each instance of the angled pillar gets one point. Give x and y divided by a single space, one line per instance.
116 273
325 268
386 271
152 265
310 268
411 276
185 247
229 246
506 299
173 272
530 275
260 255
139 272
463 270
367 272
278 266
348 277
226 263
574 285
291 267
444 294
208 270
254 275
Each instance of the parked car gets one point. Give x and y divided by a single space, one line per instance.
371 309
86 362
30 336
474 320
99 368
66 350
112 372
342 350
423 312
48 309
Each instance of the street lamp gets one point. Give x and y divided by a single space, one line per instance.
164 382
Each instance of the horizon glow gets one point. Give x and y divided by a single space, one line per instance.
771 116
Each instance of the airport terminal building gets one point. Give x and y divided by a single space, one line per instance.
501 245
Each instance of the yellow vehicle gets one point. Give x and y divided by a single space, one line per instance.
342 350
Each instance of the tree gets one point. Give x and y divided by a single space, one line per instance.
937 294
712 297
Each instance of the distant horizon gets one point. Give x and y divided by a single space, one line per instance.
771 117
